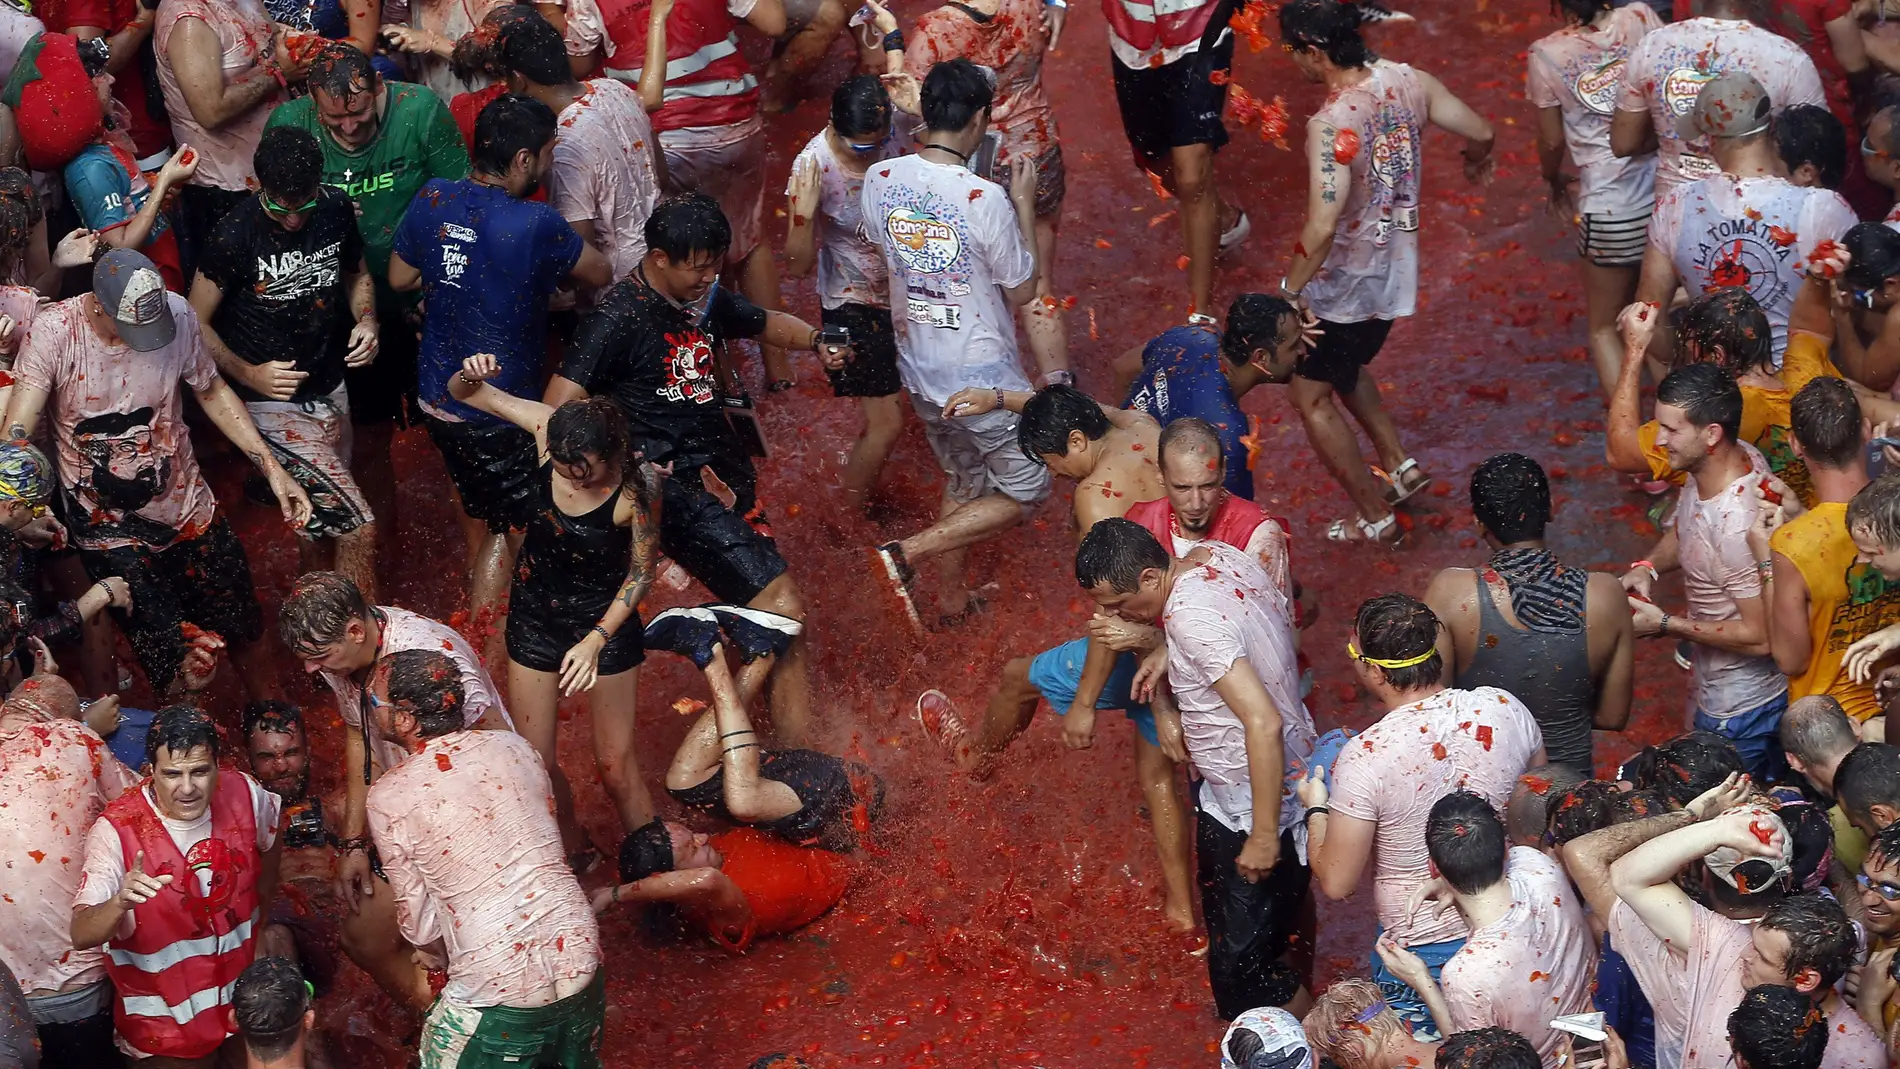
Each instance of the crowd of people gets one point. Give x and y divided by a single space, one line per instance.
539 234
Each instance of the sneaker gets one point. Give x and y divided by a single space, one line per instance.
691 633
1683 649
938 716
890 556
755 633
1239 232
1372 11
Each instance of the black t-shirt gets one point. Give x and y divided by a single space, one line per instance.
284 292
655 358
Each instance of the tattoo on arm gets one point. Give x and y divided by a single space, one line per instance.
640 565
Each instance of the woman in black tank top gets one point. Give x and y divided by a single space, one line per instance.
586 562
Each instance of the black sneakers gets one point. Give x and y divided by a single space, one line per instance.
691 633
755 633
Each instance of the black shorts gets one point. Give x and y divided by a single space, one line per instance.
385 391
493 467
205 581
1177 104
872 371
542 628
1342 349
829 788
1249 925
733 555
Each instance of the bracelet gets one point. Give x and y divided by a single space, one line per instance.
271 68
894 41
602 632
1766 568
1286 290
1062 5
812 345
615 893
1061 376
1653 574
1313 811
742 746
1663 627
731 734
1000 406
361 842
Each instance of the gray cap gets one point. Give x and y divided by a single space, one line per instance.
132 292
1731 105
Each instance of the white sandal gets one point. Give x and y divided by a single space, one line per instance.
1341 530
1398 494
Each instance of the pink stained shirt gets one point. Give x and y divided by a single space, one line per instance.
1718 949
1476 740
244 30
405 630
1532 964
603 170
1717 570
466 831
56 777
850 269
1662 973
1579 69
1010 42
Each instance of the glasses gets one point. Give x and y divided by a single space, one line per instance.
279 209
1867 149
1886 891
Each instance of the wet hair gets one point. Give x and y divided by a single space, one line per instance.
317 612
860 107
1776 1027
955 92
1820 937
1330 26
687 224
1707 396
1589 806
341 71
17 185
1682 768
509 125
1584 11
1875 509
1527 812
1189 433
1886 845
590 427
1728 329
289 163
1874 252
1868 776
1397 627
1051 415
1487 1048
1809 133
268 1003
647 850
532 47
1511 497
1350 1022
16 612
1465 840
1639 804
1816 729
430 683
1254 321
179 729
273 717
1825 419
1116 551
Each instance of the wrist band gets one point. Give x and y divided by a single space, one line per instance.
1286 289
602 632
730 734
1062 5
1653 574
358 843
894 41
1663 627
615 893
1000 405
1313 811
742 746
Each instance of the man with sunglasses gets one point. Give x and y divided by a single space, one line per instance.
1871 984
286 305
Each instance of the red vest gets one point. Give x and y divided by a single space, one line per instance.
175 975
1234 523
1157 24
708 82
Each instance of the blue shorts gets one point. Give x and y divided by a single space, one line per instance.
1057 672
1399 995
1755 733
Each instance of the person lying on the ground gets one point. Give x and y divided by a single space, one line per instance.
723 770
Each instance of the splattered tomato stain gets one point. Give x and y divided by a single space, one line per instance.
1345 145
442 762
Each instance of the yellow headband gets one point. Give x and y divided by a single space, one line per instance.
1408 662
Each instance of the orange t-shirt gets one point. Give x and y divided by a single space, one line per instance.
1764 418
787 886
1847 601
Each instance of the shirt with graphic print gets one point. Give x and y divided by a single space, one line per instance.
655 358
1579 69
952 245
285 297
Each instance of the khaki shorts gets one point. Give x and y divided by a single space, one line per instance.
732 174
981 455
311 441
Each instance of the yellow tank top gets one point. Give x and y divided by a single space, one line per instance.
1847 601
1764 418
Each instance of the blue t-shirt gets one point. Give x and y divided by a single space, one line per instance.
488 263
1181 376
102 191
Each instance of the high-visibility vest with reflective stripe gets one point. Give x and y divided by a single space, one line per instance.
175 974
1149 24
708 82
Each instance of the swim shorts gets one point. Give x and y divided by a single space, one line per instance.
204 581
1342 349
541 629
1175 104
730 168
981 455
311 441
493 467
1057 673
872 369
733 556
566 1033
1614 240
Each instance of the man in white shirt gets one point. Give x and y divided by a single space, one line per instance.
1230 662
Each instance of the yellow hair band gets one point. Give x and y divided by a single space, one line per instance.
1407 662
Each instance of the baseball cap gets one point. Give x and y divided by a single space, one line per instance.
132 293
25 474
1282 1043
1730 105
1751 873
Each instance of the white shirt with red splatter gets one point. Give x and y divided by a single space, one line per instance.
405 630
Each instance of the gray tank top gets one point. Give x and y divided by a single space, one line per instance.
1548 671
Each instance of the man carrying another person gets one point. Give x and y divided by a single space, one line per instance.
285 305
1557 638
1230 664
1431 740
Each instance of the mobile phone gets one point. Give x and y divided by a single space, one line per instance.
1877 455
834 338
983 160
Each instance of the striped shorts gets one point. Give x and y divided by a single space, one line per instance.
1614 240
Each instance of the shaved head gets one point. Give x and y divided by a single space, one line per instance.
1191 439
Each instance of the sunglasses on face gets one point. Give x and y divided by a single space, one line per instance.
1888 892
281 209
1867 149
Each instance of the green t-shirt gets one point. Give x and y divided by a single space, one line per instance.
418 141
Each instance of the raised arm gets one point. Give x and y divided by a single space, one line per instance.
197 59
470 386
1622 436
1645 878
